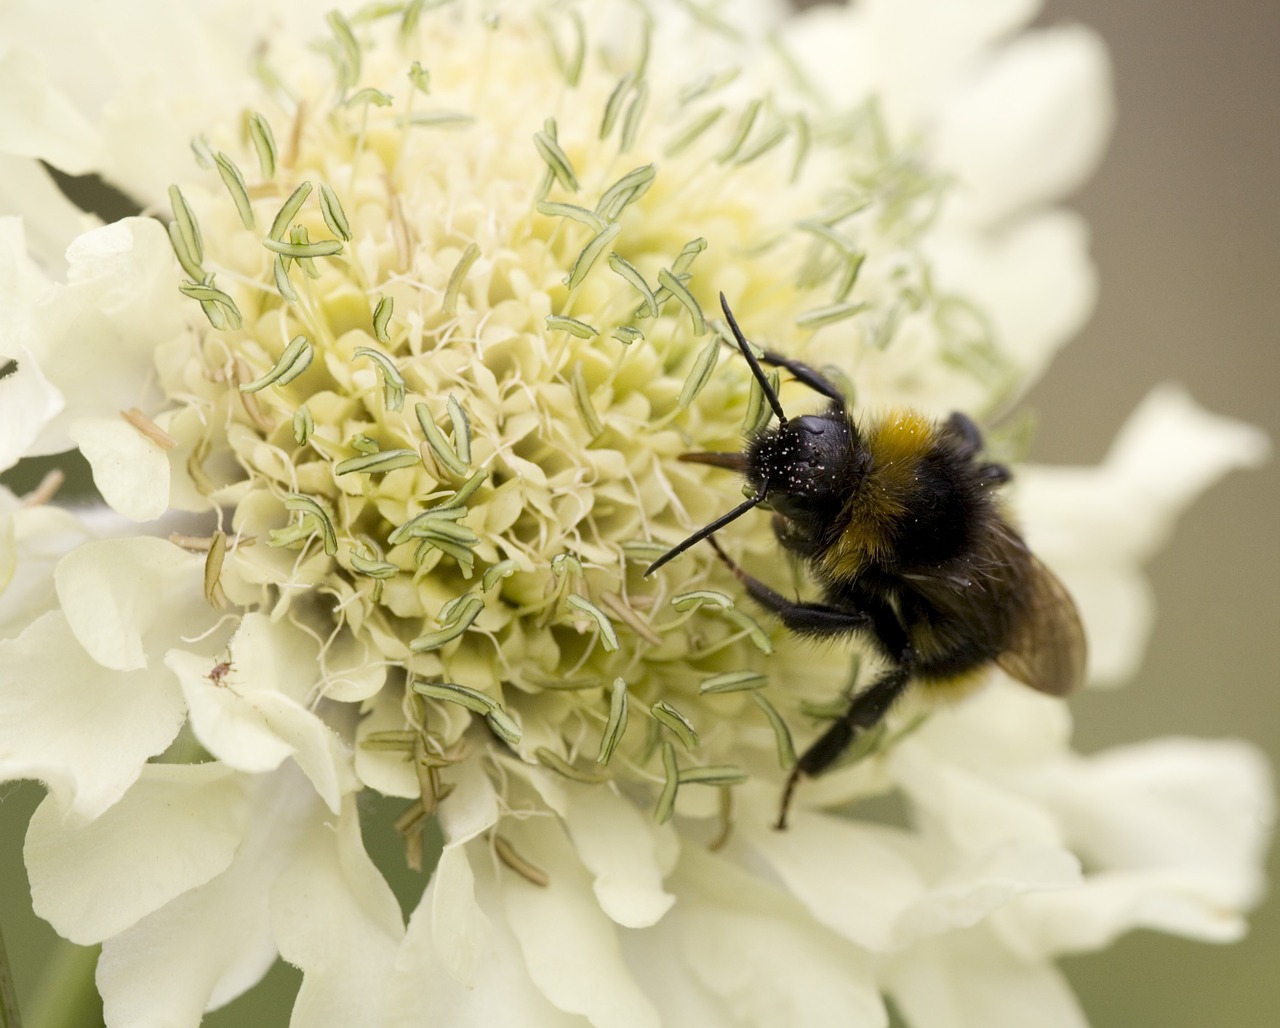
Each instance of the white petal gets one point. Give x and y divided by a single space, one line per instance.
1033 277
617 844
124 596
1117 608
28 402
427 992
130 470
1097 525
1177 830
178 827
37 119
570 948
244 721
1030 127
96 336
1183 803
657 959
390 772
877 47
1003 729
966 980
1109 904
1169 451
962 808
973 889
34 539
83 730
757 949
856 879
133 85
335 917
210 944
458 925
49 219
233 730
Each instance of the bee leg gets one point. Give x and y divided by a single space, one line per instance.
811 377
961 427
866 710
815 619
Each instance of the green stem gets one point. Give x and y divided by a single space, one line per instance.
66 995
9 1014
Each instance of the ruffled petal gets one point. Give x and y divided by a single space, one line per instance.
967 980
561 930
1032 275
1097 525
82 729
130 471
176 828
33 540
856 879
1029 127
164 972
96 336
427 988
48 220
618 845
255 715
771 965
335 917
459 927
125 597
1176 831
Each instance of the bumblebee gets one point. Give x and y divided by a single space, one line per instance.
900 526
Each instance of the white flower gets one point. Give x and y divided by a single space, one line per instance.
400 435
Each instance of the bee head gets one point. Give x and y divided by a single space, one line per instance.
804 466
801 468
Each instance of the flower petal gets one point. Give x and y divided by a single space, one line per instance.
123 597
856 879
619 846
32 542
561 930
82 729
210 944
1177 830
335 917
96 336
130 470
244 720
40 121
502 984
1033 276
458 925
734 927
176 828
1096 526
1030 127
966 980
48 220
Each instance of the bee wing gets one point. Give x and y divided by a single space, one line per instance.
1047 651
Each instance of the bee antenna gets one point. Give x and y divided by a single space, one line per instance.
705 531
756 370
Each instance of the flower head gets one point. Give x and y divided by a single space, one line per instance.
413 355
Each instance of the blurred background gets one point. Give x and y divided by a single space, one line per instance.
1185 213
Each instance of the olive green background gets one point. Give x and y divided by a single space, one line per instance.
1185 213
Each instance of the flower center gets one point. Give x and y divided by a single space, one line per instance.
456 343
